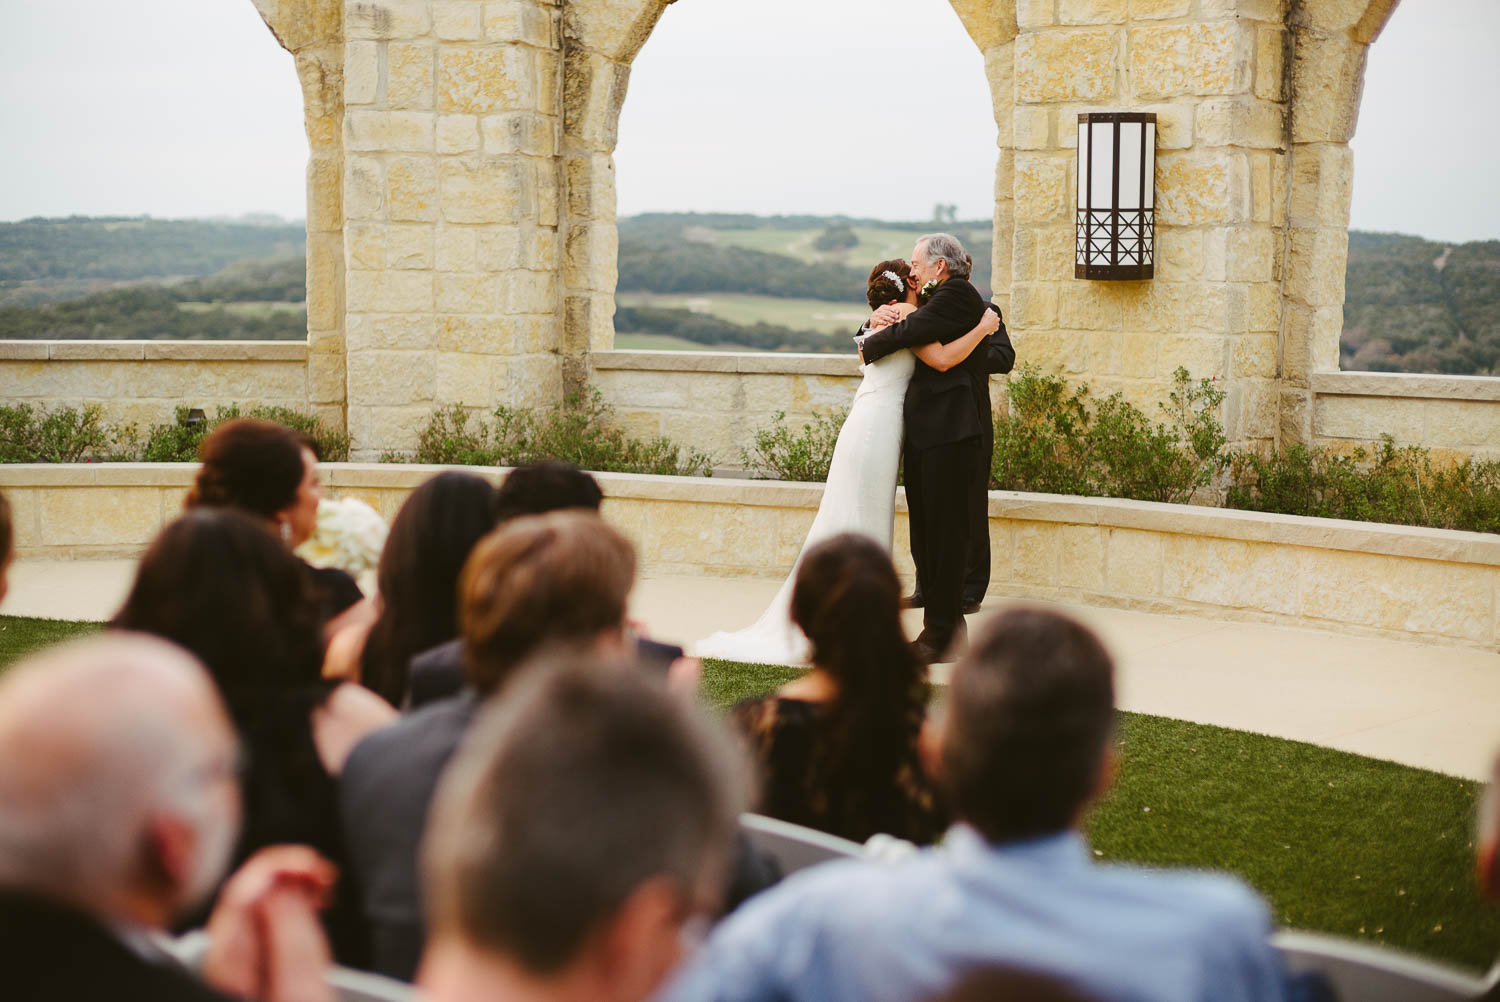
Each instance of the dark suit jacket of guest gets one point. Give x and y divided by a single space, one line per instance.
439 672
385 791
50 952
943 407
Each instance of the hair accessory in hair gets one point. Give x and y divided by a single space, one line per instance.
893 277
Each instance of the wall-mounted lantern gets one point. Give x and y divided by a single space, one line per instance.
1116 223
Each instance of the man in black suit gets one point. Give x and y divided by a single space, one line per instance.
949 438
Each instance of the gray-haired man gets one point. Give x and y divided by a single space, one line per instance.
949 436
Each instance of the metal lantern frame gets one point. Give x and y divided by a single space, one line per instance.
1116 196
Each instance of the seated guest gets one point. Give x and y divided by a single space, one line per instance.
533 489
579 836
562 578
270 472
429 541
117 776
837 747
219 585
1025 749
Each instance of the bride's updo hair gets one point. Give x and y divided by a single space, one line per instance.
884 288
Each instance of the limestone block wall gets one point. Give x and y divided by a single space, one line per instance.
451 206
1212 72
143 382
1456 416
1426 584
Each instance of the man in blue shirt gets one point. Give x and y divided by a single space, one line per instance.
1025 748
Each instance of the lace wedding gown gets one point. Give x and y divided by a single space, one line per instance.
860 496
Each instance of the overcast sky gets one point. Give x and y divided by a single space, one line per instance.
190 108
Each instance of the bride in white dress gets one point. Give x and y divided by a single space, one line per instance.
860 495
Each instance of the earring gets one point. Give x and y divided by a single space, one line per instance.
286 532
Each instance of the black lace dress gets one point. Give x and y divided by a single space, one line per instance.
855 799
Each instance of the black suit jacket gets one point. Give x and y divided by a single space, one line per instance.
384 793
50 953
943 407
439 672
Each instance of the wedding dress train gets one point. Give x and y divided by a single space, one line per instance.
860 496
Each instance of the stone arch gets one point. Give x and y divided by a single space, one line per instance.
600 41
313 32
1327 47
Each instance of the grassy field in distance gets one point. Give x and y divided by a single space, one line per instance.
874 244
744 308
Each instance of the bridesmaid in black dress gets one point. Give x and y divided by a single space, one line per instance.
838 747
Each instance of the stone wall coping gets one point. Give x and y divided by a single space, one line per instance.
1117 513
770 363
151 351
1405 384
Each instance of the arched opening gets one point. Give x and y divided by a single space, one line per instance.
761 172
188 116
1423 278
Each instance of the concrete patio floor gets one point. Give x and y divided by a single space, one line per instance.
1428 706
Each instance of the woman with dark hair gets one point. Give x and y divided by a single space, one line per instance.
270 472
418 578
216 583
837 747
860 495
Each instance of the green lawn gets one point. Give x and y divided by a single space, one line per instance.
746 308
1338 843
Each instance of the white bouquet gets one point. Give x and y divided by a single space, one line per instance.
349 536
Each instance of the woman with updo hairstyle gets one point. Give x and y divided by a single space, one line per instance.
837 747
216 583
270 472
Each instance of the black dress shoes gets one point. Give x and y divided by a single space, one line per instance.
927 654
971 605
913 601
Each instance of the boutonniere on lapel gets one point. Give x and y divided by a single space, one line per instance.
926 293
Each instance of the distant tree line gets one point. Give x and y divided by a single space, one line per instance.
130 248
147 312
1415 305
701 328
662 266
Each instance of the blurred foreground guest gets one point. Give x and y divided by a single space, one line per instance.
429 541
437 671
117 776
1487 839
217 584
543 581
1025 752
578 839
7 544
838 746
270 472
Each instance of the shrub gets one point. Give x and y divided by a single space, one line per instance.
178 442
788 455
1054 440
580 430
62 435
1396 485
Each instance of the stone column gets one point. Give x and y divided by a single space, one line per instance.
1328 43
1211 70
451 210
313 33
600 40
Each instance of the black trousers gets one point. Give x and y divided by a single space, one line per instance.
977 573
939 498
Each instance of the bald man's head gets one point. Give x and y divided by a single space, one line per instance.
117 773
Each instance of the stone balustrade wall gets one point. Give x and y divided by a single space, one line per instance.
1428 584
